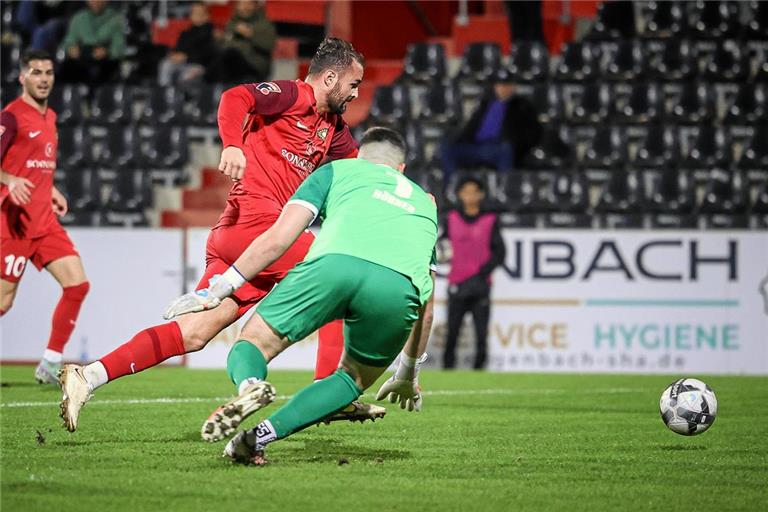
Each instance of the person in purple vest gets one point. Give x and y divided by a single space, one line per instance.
477 249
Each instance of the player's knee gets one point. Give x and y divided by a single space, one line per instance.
77 292
5 304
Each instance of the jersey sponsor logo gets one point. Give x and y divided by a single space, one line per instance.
303 165
49 150
322 133
268 87
388 198
302 126
41 164
32 135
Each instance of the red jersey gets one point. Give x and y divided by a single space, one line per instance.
284 139
28 142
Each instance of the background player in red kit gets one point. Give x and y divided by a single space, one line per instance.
29 229
274 135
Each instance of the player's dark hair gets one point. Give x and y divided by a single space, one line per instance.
383 134
470 179
32 54
334 53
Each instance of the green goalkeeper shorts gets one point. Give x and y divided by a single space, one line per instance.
379 306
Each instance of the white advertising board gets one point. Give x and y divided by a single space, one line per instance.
629 302
133 275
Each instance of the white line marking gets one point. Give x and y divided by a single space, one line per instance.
444 392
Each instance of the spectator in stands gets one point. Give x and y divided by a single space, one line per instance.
94 44
477 248
194 50
246 47
43 24
500 133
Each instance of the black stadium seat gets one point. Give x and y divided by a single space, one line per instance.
749 105
441 104
164 106
659 150
755 155
607 149
709 148
164 147
131 191
480 62
693 103
579 61
391 104
548 101
112 104
67 101
664 19
82 187
621 201
627 63
74 147
424 62
638 103
529 62
727 63
714 19
552 152
119 148
592 105
675 61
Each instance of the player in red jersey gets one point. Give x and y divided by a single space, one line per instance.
29 203
274 135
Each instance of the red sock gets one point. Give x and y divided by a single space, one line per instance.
329 348
65 315
148 348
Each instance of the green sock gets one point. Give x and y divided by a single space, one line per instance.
245 361
315 402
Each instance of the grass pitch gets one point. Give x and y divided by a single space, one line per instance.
484 441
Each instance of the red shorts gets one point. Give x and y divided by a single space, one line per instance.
15 252
227 243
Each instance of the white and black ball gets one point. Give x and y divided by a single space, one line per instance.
688 407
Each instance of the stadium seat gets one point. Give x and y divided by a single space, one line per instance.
118 149
639 103
659 149
529 62
10 55
112 104
164 147
606 149
552 152
755 155
626 63
757 26
613 22
518 192
424 62
664 19
725 200
675 61
415 141
74 147
760 202
710 147
391 104
480 62
714 19
547 99
749 105
202 105
621 201
82 187
565 192
727 63
693 103
68 101
579 61
761 73
592 105
670 192
441 104
164 106
131 191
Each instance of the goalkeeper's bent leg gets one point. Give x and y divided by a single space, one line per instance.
246 364
309 405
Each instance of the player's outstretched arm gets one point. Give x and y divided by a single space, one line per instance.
404 386
267 248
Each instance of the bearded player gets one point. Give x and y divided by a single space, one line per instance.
274 135
29 229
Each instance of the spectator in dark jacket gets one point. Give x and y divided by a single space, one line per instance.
477 248
500 133
246 48
194 50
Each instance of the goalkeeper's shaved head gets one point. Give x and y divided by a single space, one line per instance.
384 146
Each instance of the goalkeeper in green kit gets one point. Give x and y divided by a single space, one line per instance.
370 265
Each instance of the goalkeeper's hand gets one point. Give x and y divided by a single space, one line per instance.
200 300
407 392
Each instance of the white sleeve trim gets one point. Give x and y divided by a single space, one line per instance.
306 204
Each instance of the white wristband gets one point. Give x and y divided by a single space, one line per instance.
234 278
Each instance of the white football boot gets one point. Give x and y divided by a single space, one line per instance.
226 418
75 392
240 450
47 372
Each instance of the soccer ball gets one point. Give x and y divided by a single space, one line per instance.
688 407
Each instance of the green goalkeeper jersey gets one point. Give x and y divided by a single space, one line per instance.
374 213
